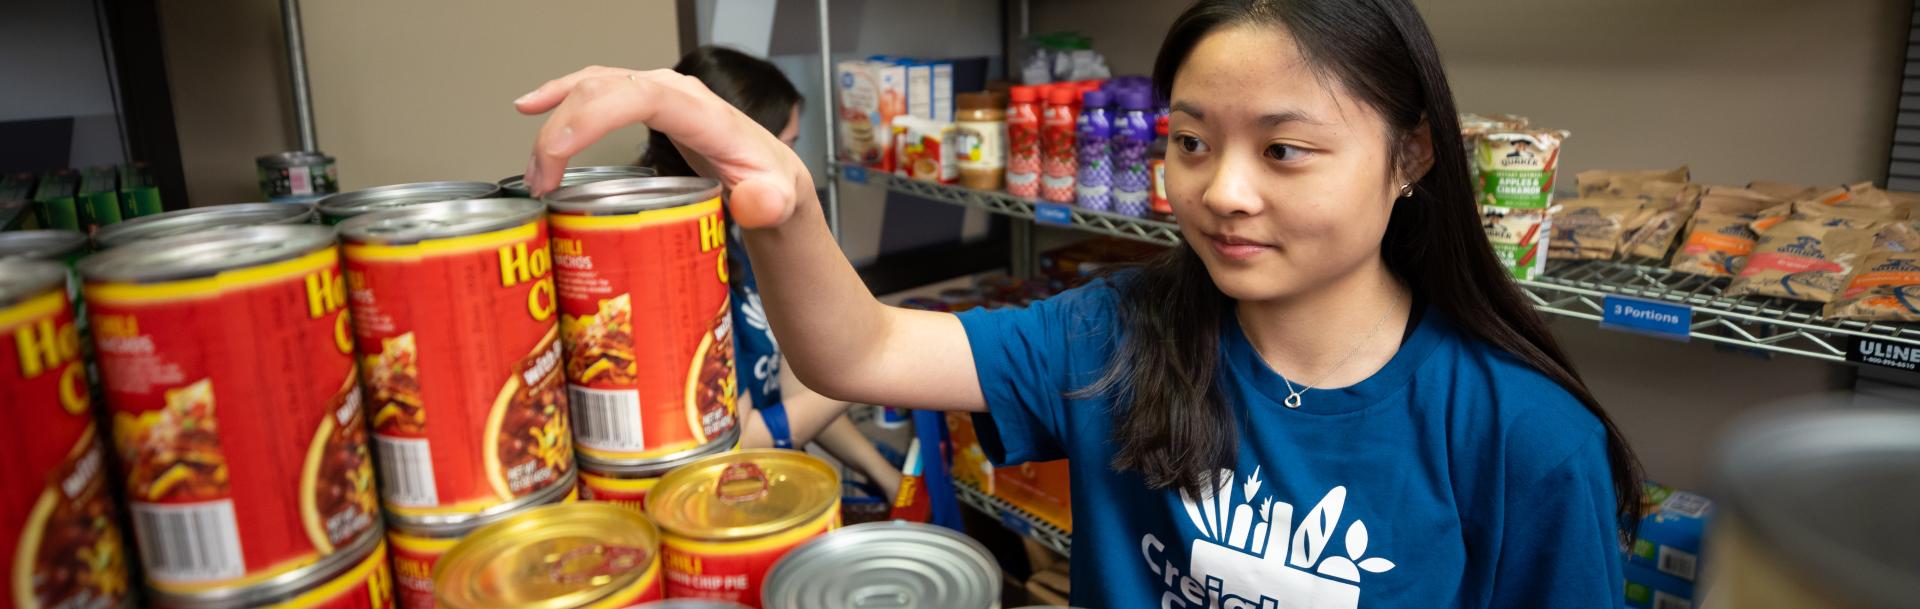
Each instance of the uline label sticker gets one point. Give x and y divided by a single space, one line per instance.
1877 352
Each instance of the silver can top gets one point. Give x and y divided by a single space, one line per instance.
659 466
285 586
516 186
204 253
885 565
631 195
198 219
21 279
41 244
292 158
349 204
429 221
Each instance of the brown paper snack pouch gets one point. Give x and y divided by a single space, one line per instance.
1717 245
1899 237
1802 260
1594 182
1782 190
1829 215
1669 205
1905 204
1590 228
1853 195
1887 288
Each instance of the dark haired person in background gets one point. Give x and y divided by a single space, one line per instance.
783 413
1328 396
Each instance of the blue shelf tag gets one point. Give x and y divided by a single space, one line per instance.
1653 318
1015 523
1052 213
854 173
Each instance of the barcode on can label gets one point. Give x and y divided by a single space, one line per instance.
607 419
1678 563
300 180
1662 600
191 542
406 471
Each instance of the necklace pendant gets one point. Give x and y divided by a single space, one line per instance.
1293 400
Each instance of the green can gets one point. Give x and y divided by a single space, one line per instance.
55 203
99 196
297 176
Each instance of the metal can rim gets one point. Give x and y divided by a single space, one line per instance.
456 525
523 528
653 468
23 278
365 200
690 473
791 570
420 223
44 244
130 231
517 184
285 585
194 255
631 195
292 158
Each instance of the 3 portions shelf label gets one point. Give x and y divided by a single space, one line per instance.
1651 317
1884 353
1052 213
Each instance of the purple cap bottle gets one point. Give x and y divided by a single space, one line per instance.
1094 180
1132 136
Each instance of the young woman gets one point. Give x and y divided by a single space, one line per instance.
1329 396
781 412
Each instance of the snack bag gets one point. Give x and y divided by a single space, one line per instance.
1830 215
1516 173
1668 206
1802 260
1717 245
1898 237
1906 205
1782 190
1594 182
1887 288
1853 195
1590 228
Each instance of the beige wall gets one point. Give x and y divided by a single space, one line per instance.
402 91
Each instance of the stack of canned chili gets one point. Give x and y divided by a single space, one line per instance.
401 408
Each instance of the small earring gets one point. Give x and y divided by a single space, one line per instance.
1406 190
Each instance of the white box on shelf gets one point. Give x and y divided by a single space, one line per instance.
943 91
920 89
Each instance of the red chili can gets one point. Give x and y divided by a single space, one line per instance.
641 266
366 583
58 526
236 410
415 552
726 519
457 326
628 485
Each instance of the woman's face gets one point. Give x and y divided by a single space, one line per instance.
1281 180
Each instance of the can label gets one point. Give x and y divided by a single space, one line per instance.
733 570
58 528
626 492
236 413
413 560
461 354
643 302
368 585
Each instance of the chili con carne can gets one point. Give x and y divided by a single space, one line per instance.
516 186
59 529
363 583
201 219
457 327
236 409
641 268
726 519
337 208
911 564
415 552
571 556
628 485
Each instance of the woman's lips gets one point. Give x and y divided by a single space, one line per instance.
1233 248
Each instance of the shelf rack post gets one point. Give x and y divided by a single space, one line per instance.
832 201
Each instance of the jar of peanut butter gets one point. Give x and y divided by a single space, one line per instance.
981 124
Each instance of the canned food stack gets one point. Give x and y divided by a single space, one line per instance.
516 186
641 266
201 219
457 327
337 208
910 564
576 556
237 416
726 519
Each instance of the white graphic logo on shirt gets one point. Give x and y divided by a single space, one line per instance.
766 369
1252 556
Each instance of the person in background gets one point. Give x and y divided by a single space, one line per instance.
758 89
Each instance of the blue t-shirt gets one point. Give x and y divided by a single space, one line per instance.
1456 476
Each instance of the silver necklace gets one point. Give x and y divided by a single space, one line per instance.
1293 394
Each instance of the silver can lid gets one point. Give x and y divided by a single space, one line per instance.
517 185
21 279
1831 490
292 158
659 466
429 221
885 565
348 204
204 254
197 219
285 586
41 244
631 195
455 526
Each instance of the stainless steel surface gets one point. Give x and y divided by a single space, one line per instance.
1021 521
201 219
410 225
885 565
41 244
21 279
282 587
204 254
827 109
631 195
516 186
297 72
366 200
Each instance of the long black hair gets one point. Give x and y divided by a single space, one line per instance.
754 86
1175 427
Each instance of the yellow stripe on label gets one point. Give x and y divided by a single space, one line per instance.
827 521
33 309
646 218
451 245
618 485
237 279
421 545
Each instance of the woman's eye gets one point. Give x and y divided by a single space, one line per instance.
1283 152
1191 144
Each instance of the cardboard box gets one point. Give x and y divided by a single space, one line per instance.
1664 567
890 80
862 131
943 91
1650 589
1043 489
920 89
925 150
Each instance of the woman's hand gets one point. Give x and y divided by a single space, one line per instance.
763 176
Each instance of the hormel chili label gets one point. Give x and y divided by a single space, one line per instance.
367 584
59 532
733 570
237 418
462 358
643 303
